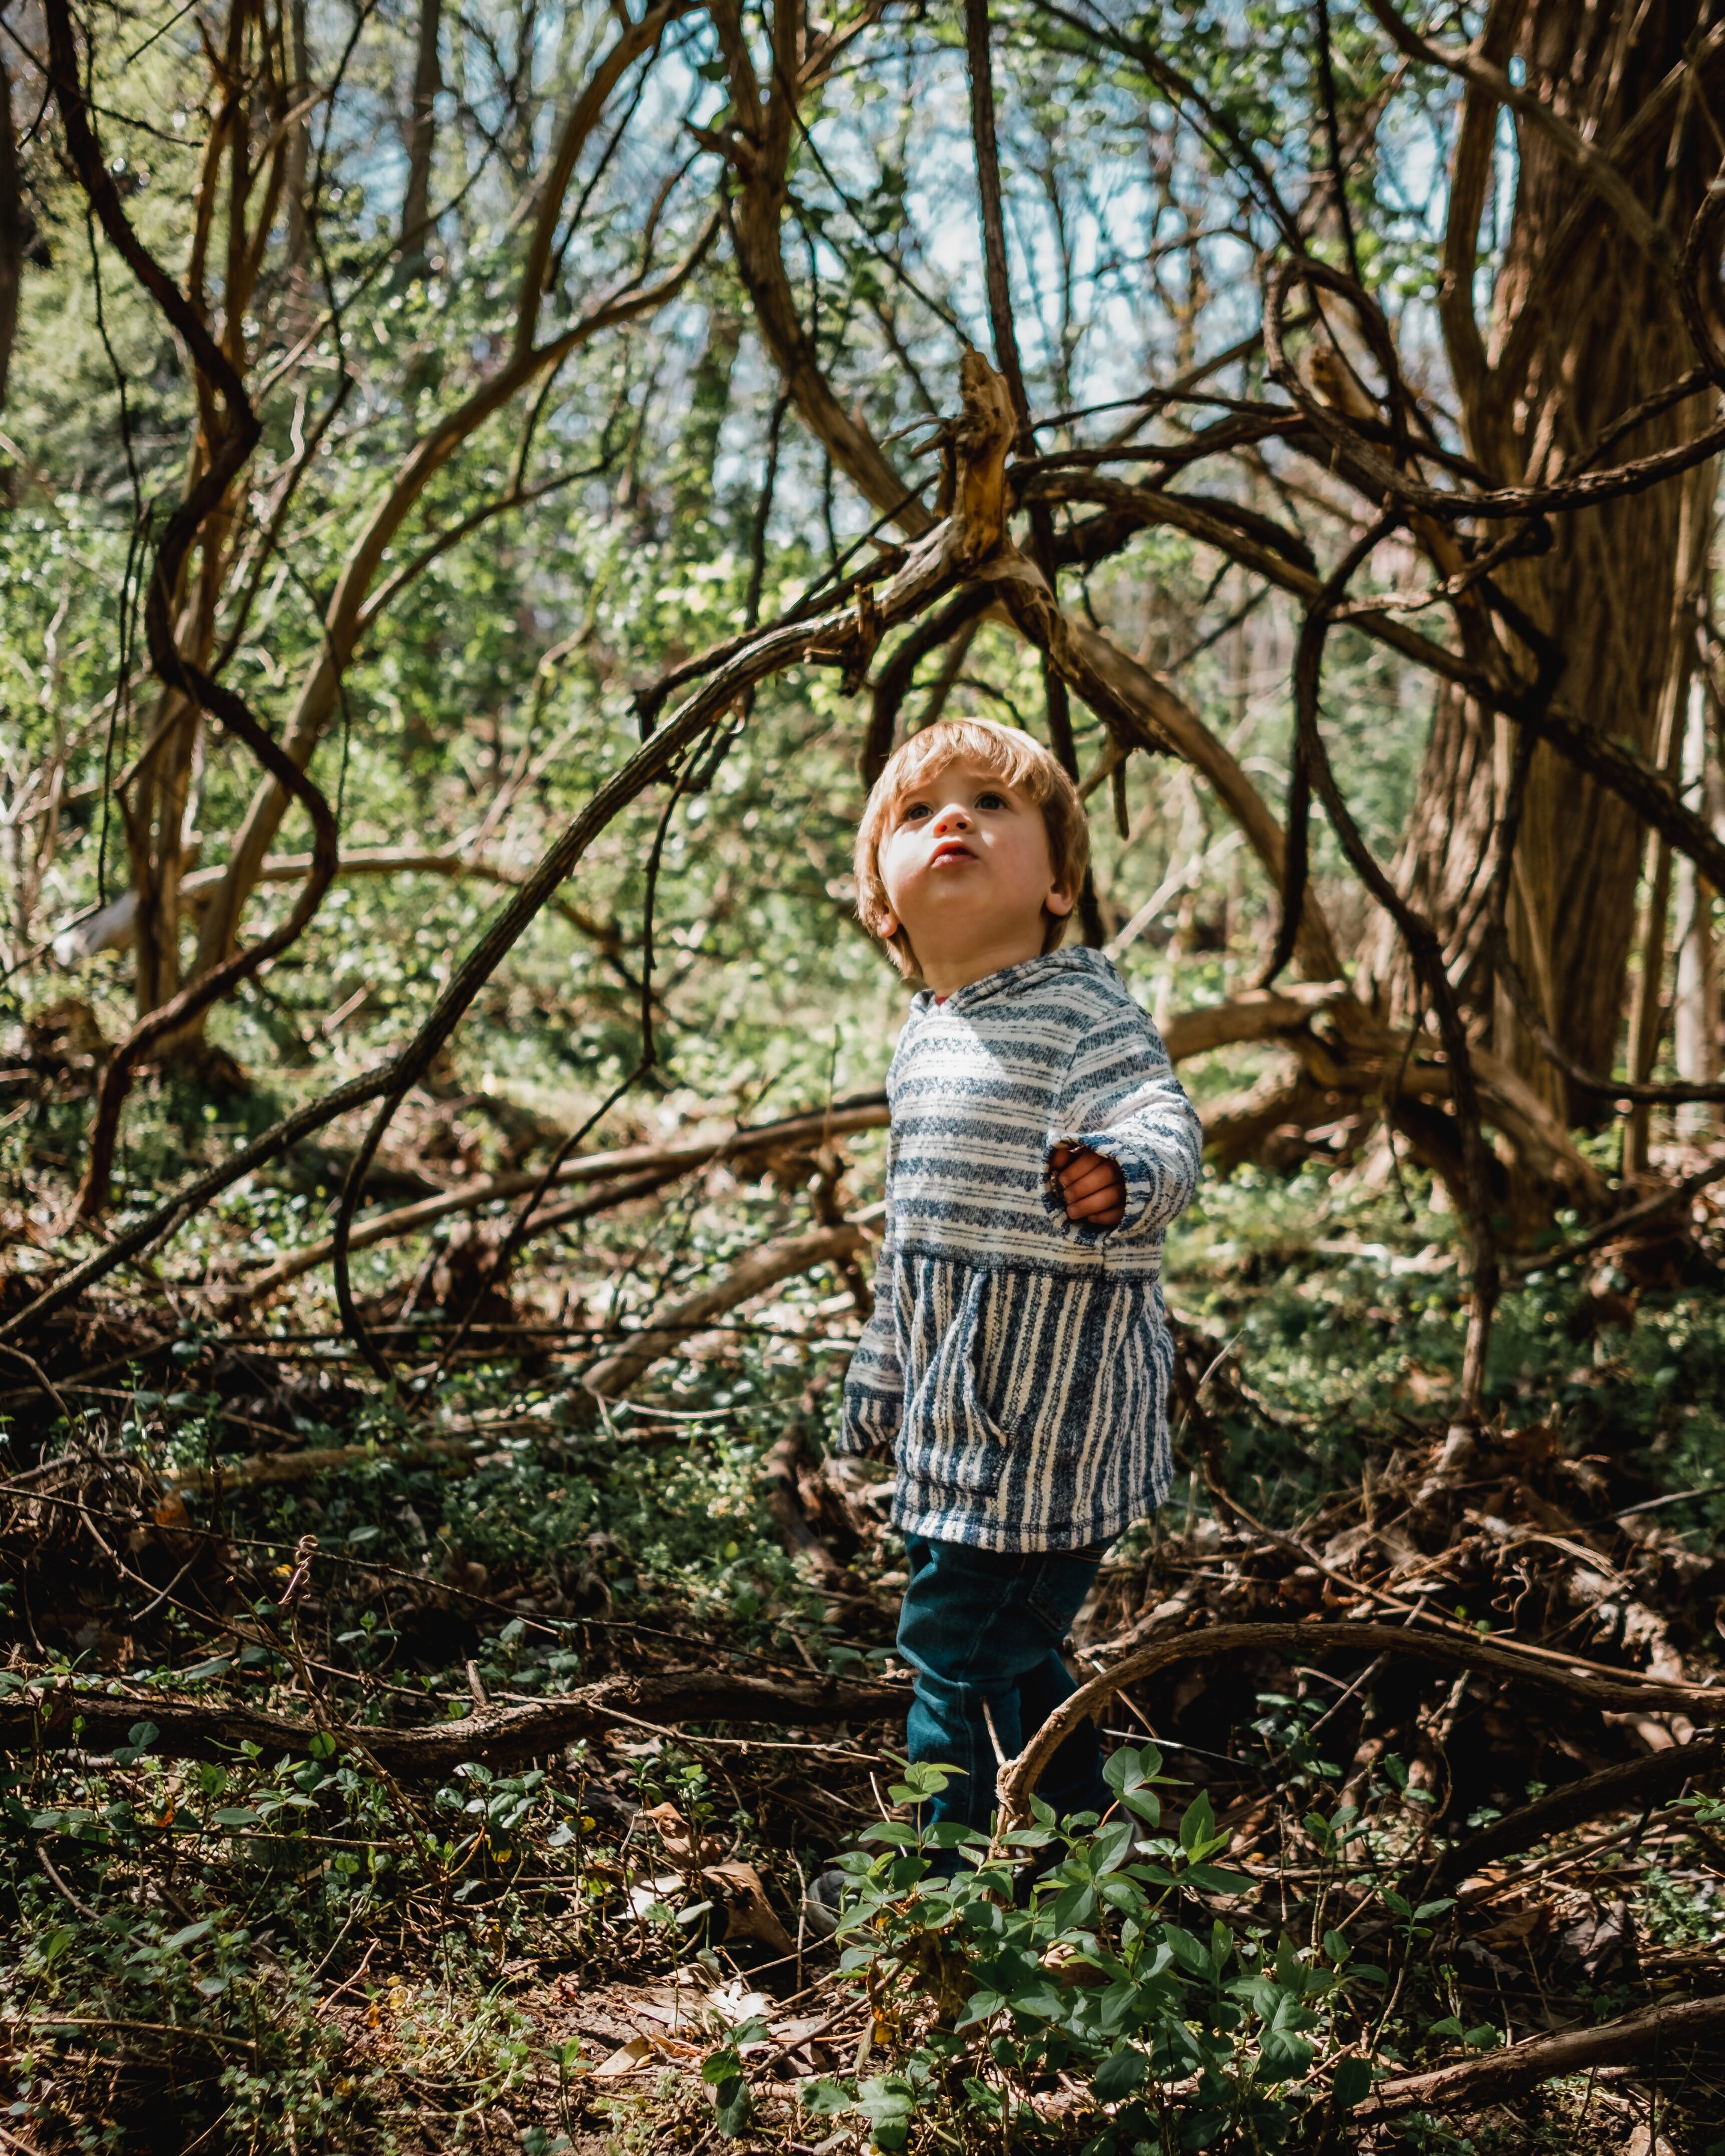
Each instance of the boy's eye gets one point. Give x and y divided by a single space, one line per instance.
991 801
917 811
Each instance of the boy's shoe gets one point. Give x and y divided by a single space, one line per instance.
820 1904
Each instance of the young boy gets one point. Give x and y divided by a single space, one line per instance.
1018 1358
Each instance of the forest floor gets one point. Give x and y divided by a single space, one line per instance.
442 1764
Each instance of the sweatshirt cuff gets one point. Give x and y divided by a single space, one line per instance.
1140 1186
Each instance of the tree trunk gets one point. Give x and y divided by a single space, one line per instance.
422 137
1583 326
1695 1045
298 153
12 231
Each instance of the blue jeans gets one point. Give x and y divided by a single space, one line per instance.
977 1626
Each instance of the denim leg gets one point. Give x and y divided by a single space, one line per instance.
983 1629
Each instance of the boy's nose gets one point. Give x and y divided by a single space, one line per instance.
952 818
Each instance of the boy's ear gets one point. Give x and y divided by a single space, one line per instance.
1058 904
888 928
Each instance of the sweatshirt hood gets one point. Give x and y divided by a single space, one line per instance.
1013 980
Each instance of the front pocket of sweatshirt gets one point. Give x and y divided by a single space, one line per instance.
952 1441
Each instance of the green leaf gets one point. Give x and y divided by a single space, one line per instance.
1038 2002
825 2099
1197 1822
980 2006
1189 1954
731 2106
898 1834
1112 1844
1210 1881
1119 2074
184 1939
1129 1770
237 1815
1353 2083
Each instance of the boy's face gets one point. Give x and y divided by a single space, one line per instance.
965 863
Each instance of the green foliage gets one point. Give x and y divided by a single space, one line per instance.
1097 1978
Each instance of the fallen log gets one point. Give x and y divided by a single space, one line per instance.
1655 2031
268 1467
614 1373
1635 1782
1456 1649
641 1170
189 1728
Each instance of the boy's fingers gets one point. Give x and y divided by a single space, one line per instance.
1085 1167
1092 1187
1095 1189
1070 1161
1091 1180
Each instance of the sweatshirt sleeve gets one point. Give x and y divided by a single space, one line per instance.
1120 1098
875 1383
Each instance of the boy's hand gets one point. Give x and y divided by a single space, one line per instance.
1092 1185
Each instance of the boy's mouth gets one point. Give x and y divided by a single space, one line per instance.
953 849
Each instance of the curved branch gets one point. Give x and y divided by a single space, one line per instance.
347 616
844 637
1633 1783
230 446
1456 1650
1308 670
1146 712
1380 480
670 1330
1617 767
758 148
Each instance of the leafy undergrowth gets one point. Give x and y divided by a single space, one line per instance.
603 1942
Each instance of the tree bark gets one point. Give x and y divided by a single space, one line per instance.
1584 325
1695 1045
12 231
422 139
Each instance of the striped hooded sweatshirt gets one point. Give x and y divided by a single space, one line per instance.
1019 1360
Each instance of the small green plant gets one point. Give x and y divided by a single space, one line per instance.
1107 1973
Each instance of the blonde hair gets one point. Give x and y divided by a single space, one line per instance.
1020 763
